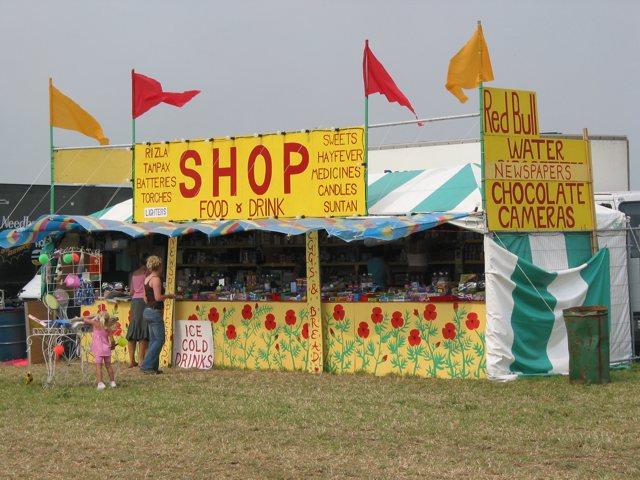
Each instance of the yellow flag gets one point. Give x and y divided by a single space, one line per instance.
65 113
470 66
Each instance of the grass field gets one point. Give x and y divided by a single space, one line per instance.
235 424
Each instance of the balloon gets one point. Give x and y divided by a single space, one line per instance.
75 258
69 281
43 259
61 295
51 302
58 350
121 342
72 281
67 258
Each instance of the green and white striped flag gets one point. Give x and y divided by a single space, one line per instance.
526 333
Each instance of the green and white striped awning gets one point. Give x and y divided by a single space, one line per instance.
453 189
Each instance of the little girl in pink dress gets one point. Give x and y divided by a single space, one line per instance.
101 345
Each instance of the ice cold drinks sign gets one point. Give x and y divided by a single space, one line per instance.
316 173
532 183
193 344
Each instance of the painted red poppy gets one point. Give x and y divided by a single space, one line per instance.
305 331
376 315
193 316
473 321
396 319
117 329
414 337
247 313
87 313
430 313
363 330
449 331
290 317
338 313
231 332
213 315
102 307
270 322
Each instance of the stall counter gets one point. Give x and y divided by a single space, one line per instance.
437 339
254 335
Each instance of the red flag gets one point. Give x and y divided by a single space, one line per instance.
378 80
147 93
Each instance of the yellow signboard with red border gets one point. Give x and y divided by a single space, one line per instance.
532 182
317 173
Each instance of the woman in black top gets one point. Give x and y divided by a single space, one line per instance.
154 298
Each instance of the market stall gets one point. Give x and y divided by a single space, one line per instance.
249 280
350 344
400 290
252 287
421 321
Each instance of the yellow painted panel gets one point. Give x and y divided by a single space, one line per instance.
103 166
427 340
314 304
444 340
509 112
532 183
166 354
537 150
316 174
257 336
535 184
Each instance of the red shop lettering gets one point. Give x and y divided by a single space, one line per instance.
294 162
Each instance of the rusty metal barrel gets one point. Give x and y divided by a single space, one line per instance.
588 338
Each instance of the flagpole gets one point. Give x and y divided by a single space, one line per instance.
365 73
480 108
366 154
133 151
482 184
51 159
